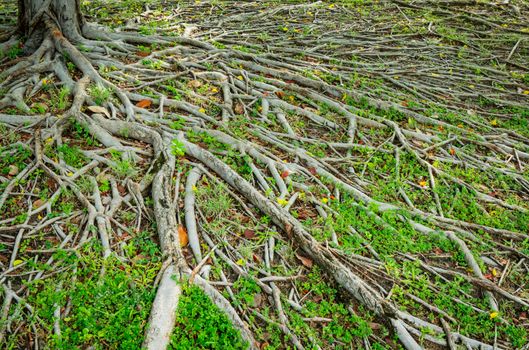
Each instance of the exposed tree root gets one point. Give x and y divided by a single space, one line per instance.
308 136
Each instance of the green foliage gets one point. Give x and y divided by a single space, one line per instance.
99 93
108 310
72 155
201 325
178 148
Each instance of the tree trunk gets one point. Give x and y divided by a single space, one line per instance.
64 14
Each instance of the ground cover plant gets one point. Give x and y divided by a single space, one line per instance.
264 174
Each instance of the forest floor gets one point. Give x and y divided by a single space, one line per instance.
340 175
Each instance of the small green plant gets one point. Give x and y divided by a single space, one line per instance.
100 94
178 148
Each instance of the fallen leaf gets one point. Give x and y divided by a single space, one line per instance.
305 261
13 170
238 109
423 183
452 151
99 109
182 236
38 203
280 94
194 83
493 315
17 262
285 174
257 299
249 234
142 53
312 170
374 325
144 103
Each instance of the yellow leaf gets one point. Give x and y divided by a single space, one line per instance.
194 188
202 110
494 272
494 122
70 173
240 77
17 262
214 90
324 200
525 92
423 183
240 262
331 6
493 315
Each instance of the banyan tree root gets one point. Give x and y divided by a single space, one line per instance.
54 29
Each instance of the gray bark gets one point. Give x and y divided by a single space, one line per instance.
66 14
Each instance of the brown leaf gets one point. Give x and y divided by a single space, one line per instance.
144 103
194 83
285 174
182 236
280 94
312 170
38 203
374 325
257 299
452 151
13 170
238 109
305 261
249 234
142 53
99 109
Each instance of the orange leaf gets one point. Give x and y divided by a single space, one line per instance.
305 261
280 94
182 236
452 151
285 174
142 53
144 103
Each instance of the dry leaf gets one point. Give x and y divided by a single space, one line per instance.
142 53
452 151
99 109
305 261
13 170
239 109
144 103
249 234
38 203
285 174
313 171
182 236
194 83
280 94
